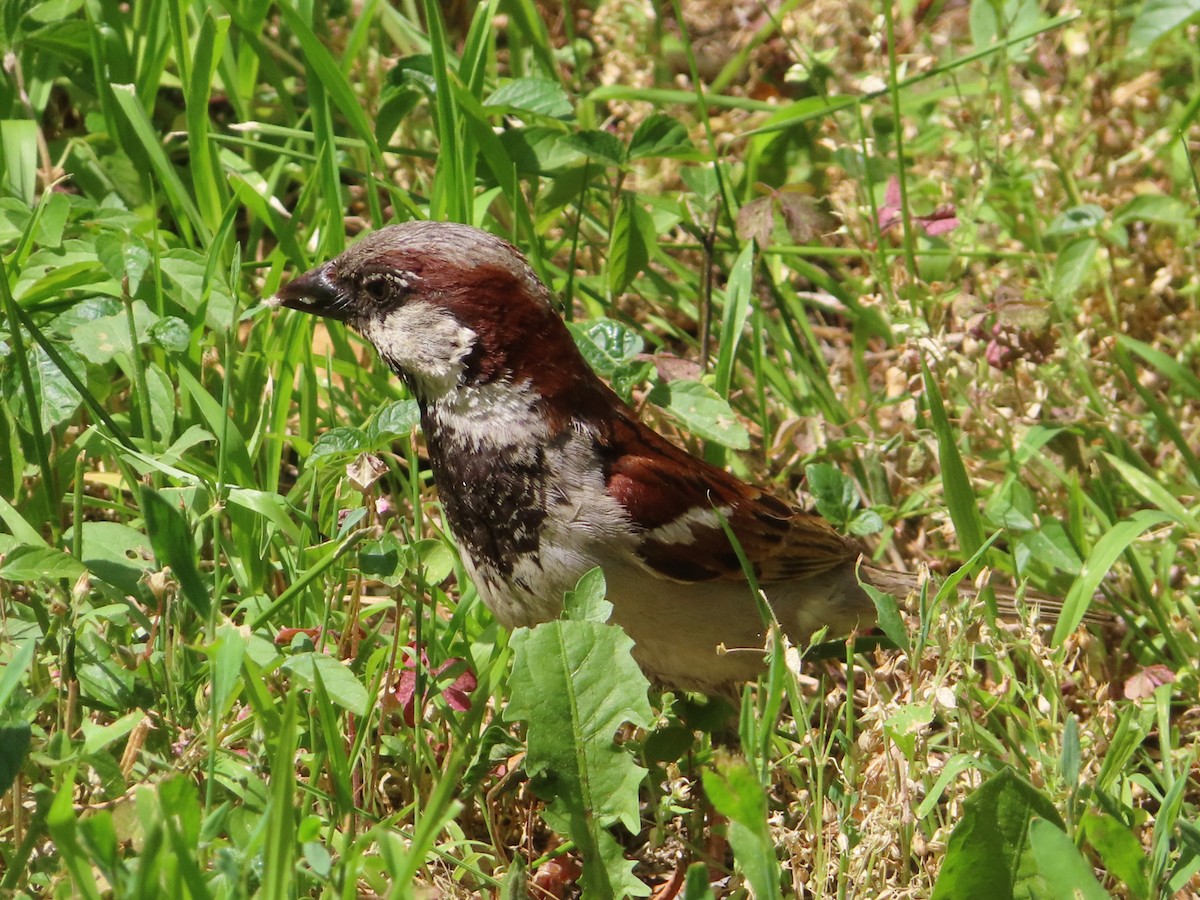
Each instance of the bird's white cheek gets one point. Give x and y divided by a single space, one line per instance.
423 342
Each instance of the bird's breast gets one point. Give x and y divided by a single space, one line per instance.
528 508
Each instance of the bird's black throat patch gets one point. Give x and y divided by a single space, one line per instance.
494 497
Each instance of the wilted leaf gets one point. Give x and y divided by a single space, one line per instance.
756 221
1143 684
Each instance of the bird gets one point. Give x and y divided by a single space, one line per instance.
544 473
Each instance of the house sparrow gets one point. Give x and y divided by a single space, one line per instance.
544 473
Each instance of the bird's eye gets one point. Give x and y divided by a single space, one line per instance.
376 288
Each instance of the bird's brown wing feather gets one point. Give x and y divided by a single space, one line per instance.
677 501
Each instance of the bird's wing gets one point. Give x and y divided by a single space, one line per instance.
678 501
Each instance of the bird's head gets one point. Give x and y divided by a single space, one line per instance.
447 306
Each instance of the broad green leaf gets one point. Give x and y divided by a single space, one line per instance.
1157 17
575 684
984 857
629 245
20 655
337 442
397 419
99 340
887 616
1161 209
659 135
1120 850
598 145
115 553
536 95
171 536
905 724
171 333
1073 265
341 684
188 270
55 396
834 493
1076 219
1051 545
702 412
40 564
587 603
606 344
737 794
1060 864
123 257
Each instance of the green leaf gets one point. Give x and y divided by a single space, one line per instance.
834 493
40 564
575 684
702 411
906 724
735 309
1157 17
1052 546
1120 850
887 616
1099 561
1072 266
606 344
587 602
172 539
865 522
337 442
598 145
1160 209
1063 869
20 655
960 495
629 245
115 553
660 136
1076 219
535 95
99 340
171 333
984 857
55 396
397 419
340 683
737 794
122 257
18 146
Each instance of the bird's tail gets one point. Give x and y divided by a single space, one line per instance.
1012 604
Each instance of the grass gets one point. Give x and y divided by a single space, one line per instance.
239 660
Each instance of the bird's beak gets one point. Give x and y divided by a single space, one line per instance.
316 292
